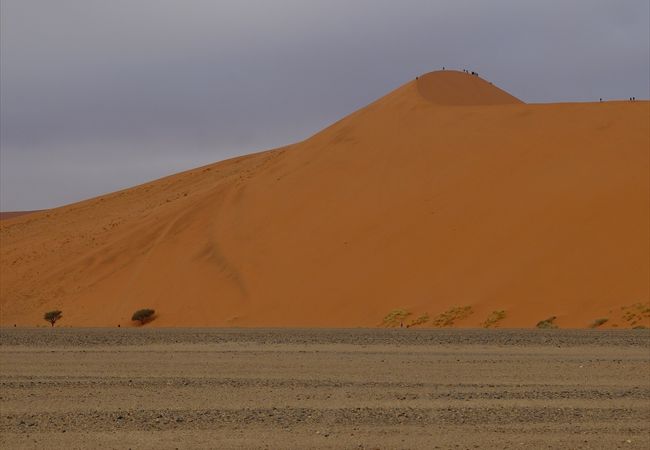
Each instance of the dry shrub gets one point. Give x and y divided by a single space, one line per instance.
395 318
598 322
547 323
451 316
143 316
494 318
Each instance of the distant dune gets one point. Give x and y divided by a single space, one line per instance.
11 214
448 198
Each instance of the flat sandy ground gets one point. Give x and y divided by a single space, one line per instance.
299 389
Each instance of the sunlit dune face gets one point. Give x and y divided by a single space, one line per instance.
448 202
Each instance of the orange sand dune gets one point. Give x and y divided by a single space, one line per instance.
452 88
11 214
447 192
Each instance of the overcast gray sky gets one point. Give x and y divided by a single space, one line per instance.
100 95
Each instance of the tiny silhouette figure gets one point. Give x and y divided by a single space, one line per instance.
401 324
443 67
601 99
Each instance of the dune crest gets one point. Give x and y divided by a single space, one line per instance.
453 88
412 206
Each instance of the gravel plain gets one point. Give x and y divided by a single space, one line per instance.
324 388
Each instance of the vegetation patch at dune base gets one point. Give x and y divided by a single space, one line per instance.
395 318
598 322
420 320
547 323
143 316
636 314
53 316
451 316
494 318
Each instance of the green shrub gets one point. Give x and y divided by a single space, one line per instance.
53 316
143 316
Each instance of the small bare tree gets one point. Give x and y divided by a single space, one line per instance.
53 316
143 316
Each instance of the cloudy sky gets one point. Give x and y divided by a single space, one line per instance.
100 95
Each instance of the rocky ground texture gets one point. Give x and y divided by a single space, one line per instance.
365 389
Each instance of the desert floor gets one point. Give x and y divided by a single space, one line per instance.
366 389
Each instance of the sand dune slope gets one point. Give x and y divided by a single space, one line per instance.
448 196
452 88
4 215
